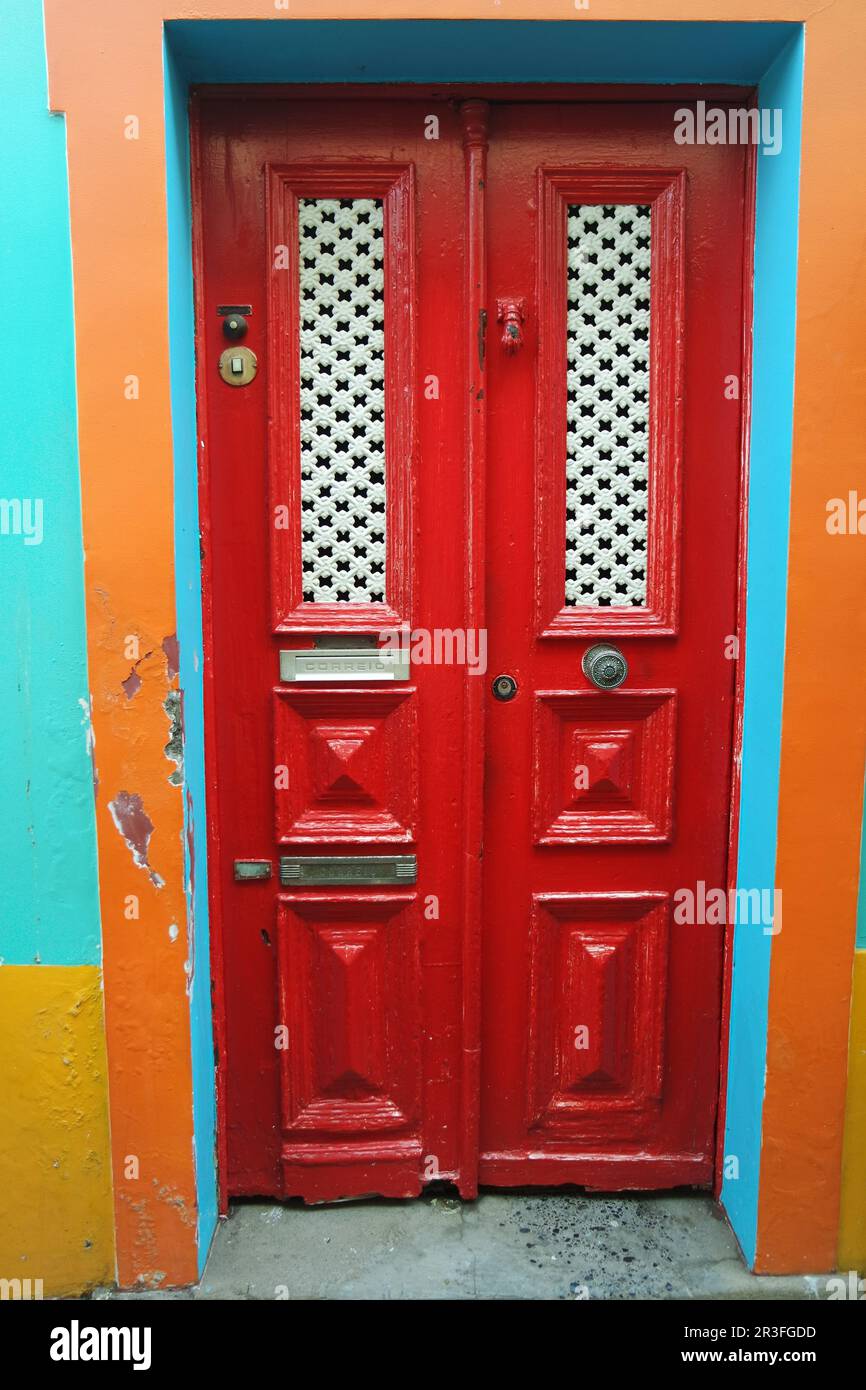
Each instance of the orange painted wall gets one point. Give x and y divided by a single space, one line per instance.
119 241
119 258
824 711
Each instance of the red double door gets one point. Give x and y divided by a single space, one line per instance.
470 378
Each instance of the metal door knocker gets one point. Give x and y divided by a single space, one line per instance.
511 314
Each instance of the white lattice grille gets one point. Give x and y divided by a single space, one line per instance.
341 260
608 405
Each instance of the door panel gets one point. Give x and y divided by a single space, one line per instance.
597 977
335 491
349 978
351 766
336 512
600 1049
623 743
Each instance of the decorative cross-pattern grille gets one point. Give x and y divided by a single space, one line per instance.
608 405
342 361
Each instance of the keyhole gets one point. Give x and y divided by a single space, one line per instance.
505 687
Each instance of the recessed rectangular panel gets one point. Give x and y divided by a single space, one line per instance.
345 765
349 982
604 764
597 1008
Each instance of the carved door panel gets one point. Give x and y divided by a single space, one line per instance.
602 1012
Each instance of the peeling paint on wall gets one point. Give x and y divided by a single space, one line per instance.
173 706
136 827
172 655
90 740
132 684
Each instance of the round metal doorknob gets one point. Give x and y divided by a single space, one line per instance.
605 666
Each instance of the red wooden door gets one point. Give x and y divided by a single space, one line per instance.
336 497
339 508
612 505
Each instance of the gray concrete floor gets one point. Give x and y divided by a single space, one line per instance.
544 1245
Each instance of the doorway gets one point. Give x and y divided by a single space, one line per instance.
460 360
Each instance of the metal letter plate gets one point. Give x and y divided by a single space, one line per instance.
348 868
344 664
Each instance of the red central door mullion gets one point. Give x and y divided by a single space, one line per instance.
474 117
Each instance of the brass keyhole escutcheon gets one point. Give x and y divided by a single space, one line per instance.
238 366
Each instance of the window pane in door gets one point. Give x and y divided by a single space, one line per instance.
342 398
607 349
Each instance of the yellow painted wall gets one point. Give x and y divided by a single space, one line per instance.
852 1216
56 1214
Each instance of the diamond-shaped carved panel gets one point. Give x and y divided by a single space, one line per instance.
604 766
598 985
345 766
349 984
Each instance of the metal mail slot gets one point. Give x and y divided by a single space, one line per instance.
348 868
344 664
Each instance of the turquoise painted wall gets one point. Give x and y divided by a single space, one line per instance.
49 908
